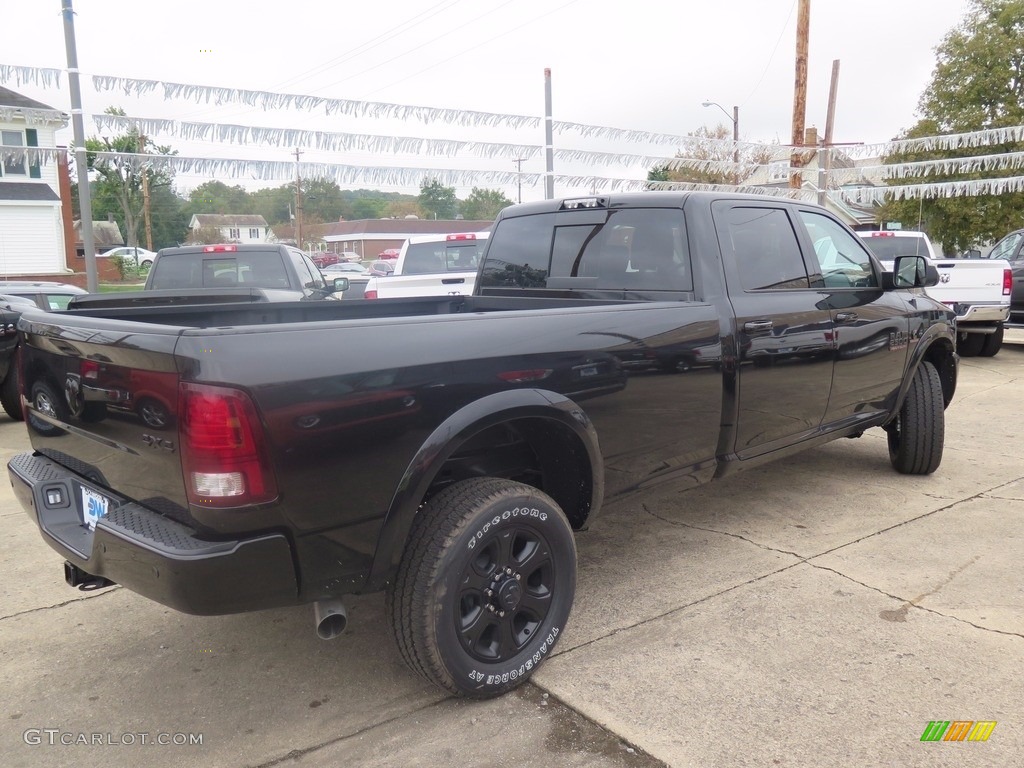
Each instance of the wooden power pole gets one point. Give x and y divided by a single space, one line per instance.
145 198
298 201
803 25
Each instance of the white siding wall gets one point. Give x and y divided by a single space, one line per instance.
31 237
243 234
31 232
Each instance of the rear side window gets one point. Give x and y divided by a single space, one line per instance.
766 249
631 249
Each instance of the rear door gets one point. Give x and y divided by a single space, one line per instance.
783 326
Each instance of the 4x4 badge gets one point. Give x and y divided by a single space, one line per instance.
158 442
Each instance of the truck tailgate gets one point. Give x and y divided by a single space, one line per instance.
442 284
103 403
969 281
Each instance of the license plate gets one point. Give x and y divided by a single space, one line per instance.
94 507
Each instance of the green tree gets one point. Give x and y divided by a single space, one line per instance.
484 204
367 208
978 83
218 197
437 201
321 199
117 187
708 146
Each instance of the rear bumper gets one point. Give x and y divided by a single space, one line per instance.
150 554
982 313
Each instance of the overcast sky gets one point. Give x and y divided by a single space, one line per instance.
642 64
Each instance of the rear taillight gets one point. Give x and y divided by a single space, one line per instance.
1007 282
369 294
223 452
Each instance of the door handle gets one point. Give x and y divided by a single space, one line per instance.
845 317
452 280
754 326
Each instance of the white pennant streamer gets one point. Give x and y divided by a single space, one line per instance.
34 155
44 78
270 100
945 189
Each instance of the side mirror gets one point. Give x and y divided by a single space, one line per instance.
974 253
914 272
341 284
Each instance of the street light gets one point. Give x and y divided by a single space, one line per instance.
735 118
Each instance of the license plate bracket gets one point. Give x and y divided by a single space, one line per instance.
94 506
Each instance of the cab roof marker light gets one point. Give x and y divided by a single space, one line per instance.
583 202
219 248
469 236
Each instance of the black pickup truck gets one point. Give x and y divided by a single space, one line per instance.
446 448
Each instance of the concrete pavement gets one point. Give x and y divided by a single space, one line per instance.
816 612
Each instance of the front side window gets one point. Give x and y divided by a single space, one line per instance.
766 249
844 261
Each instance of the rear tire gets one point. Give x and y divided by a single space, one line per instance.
46 400
992 343
916 436
10 398
484 587
970 344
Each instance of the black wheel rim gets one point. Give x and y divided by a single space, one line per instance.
506 591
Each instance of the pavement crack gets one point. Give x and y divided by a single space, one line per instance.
723 533
109 590
908 604
679 608
298 754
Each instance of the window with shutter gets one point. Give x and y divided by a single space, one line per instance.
32 140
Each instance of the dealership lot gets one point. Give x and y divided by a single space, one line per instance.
818 611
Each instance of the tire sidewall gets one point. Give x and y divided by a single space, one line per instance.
511 512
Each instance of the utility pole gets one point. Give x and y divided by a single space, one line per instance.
81 156
823 173
145 200
549 151
803 25
519 181
298 201
736 144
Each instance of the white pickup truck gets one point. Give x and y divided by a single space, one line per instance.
978 290
432 265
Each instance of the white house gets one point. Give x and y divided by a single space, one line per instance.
31 224
234 228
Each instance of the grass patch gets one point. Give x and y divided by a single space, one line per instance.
119 287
